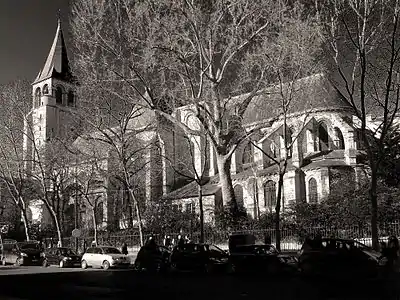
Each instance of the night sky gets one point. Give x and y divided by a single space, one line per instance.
27 29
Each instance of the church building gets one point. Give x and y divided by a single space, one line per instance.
322 129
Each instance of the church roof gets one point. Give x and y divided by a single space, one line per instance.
314 92
191 190
57 64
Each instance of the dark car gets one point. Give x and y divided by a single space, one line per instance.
199 257
239 240
154 258
339 257
62 256
23 253
264 259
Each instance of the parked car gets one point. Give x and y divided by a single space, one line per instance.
264 259
239 240
199 257
22 253
104 257
339 257
154 258
61 256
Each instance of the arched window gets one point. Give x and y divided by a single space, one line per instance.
323 137
339 140
45 89
239 194
59 95
38 94
99 214
270 194
247 157
70 98
312 191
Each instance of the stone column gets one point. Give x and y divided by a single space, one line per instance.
350 147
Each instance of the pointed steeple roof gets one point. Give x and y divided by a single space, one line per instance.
57 64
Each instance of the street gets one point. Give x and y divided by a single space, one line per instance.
54 283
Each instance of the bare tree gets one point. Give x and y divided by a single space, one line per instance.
194 167
15 99
47 168
168 54
126 133
363 39
90 187
295 53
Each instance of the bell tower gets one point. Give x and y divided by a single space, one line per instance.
53 95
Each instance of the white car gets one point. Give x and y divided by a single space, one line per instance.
104 257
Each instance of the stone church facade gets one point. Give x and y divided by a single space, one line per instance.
321 126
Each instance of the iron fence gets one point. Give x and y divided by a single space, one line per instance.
291 237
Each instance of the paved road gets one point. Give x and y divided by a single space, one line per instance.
55 283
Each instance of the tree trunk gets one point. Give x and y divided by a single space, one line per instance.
138 216
94 225
26 223
224 172
56 223
374 209
200 189
139 220
278 213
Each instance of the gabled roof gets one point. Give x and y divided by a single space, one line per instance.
314 92
57 64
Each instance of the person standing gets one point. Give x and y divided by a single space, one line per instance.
124 249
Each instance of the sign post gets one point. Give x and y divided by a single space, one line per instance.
76 233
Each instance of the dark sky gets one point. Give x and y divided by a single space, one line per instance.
27 29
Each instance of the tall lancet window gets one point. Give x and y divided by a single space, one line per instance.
70 98
247 157
59 95
38 95
45 89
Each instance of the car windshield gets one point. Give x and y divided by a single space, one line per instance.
110 250
66 252
28 246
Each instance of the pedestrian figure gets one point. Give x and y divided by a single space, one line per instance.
94 244
181 241
51 243
149 240
168 242
318 241
124 249
41 245
84 246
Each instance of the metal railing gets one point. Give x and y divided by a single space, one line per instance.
291 237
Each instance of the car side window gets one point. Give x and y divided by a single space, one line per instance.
90 250
98 251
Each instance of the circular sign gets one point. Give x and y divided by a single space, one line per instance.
4 229
76 233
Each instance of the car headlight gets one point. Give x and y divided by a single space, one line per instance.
67 258
24 254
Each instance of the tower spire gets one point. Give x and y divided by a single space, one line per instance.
57 64
59 17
